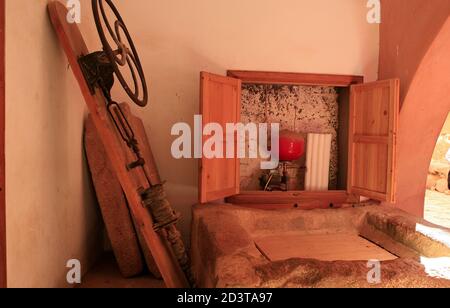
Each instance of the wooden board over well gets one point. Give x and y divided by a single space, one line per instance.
328 247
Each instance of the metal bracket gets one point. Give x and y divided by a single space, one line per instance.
139 163
97 70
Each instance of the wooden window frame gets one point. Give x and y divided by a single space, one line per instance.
294 199
303 79
207 104
389 140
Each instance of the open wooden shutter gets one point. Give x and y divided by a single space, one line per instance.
220 103
374 112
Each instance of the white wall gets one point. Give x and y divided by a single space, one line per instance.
51 211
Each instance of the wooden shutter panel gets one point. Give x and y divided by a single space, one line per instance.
374 112
220 103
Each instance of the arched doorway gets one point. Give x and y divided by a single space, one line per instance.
424 111
437 196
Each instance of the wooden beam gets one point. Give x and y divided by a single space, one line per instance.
323 247
371 139
257 77
303 199
292 206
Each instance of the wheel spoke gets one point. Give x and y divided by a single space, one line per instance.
123 54
133 73
108 25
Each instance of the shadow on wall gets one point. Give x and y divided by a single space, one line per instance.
175 101
173 79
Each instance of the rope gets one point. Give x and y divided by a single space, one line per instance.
165 217
155 199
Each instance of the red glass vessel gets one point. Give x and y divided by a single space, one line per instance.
292 146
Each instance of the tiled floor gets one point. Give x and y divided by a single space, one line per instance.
437 208
106 275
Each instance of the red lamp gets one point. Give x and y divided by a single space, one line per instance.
292 146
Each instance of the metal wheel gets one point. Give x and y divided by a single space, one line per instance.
122 53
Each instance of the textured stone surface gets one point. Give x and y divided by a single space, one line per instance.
438 175
301 109
113 205
128 245
224 253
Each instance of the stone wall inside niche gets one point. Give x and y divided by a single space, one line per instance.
302 109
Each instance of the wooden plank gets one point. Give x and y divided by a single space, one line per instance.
128 245
375 195
309 205
259 77
293 197
2 150
325 247
374 111
371 139
72 41
219 103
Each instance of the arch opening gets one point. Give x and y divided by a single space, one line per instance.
423 114
437 196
